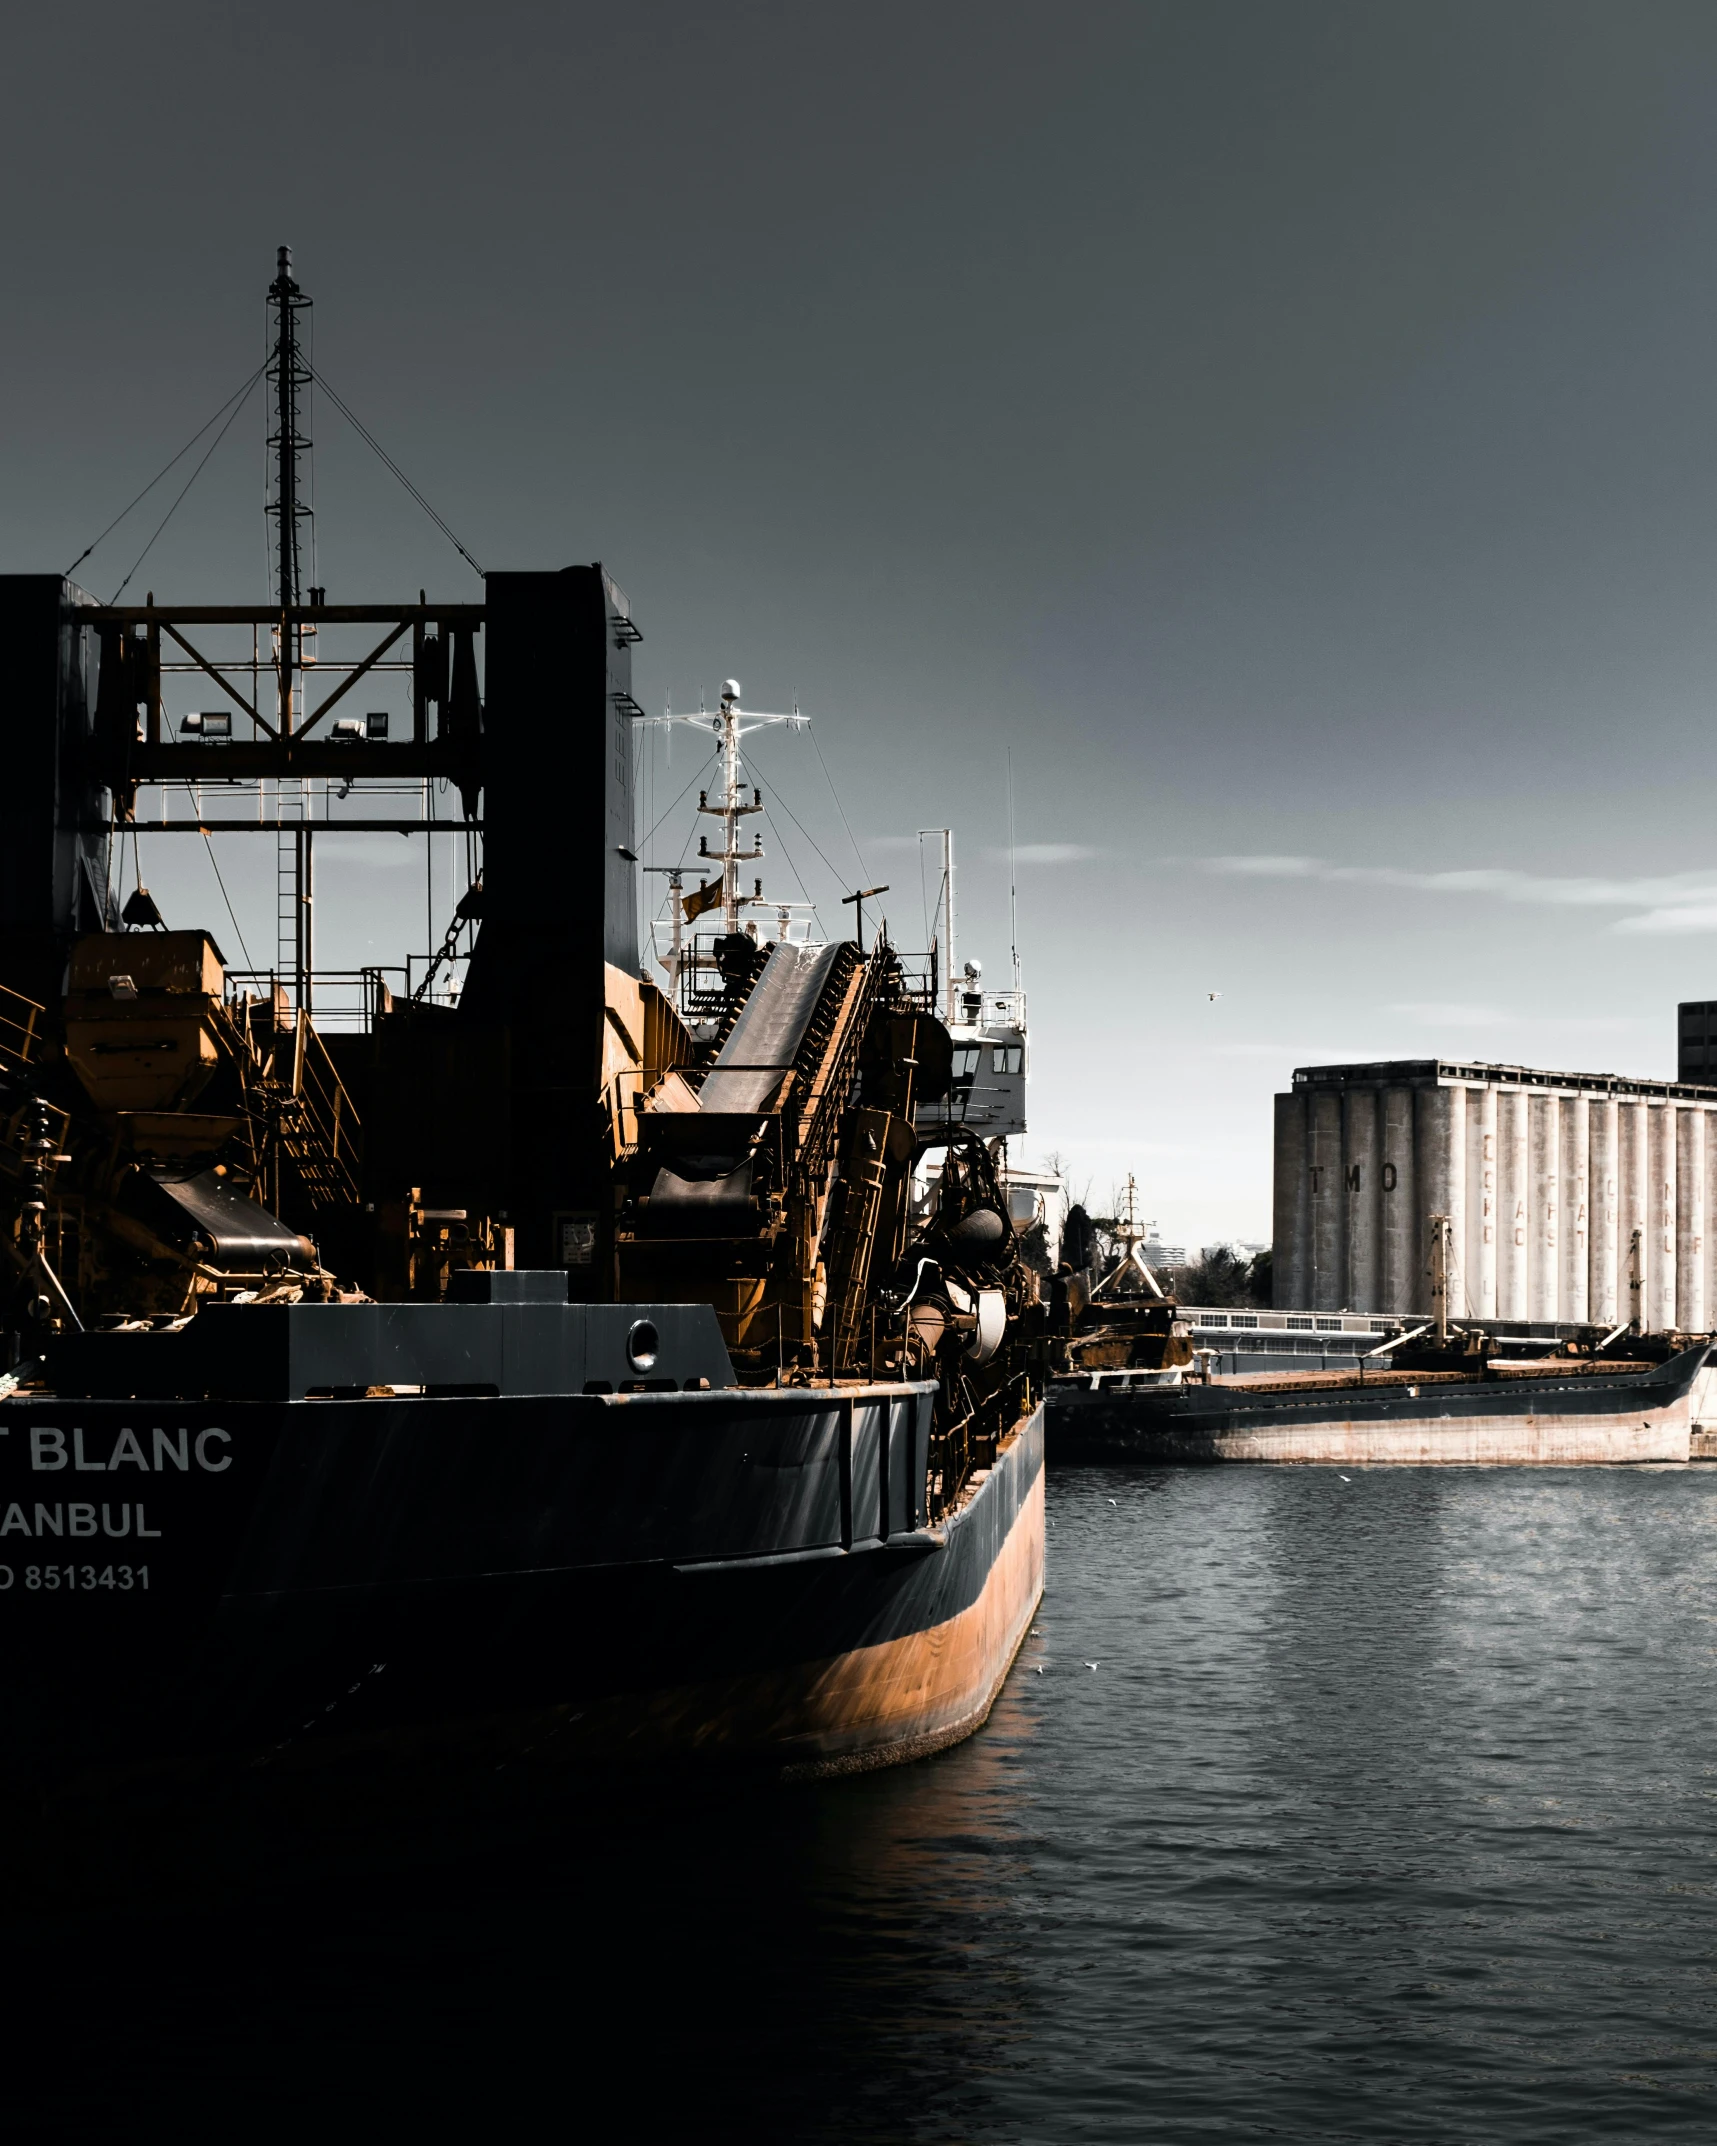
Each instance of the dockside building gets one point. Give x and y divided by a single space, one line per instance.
1560 1188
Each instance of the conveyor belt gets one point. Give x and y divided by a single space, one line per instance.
765 1039
237 1233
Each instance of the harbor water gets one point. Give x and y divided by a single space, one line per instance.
1321 1805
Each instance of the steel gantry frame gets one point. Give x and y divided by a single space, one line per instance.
133 746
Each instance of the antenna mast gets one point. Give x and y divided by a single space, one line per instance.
286 369
1013 882
945 902
288 372
729 726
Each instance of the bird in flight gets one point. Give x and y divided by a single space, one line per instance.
1213 996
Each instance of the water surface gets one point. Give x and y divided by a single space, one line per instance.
1320 1807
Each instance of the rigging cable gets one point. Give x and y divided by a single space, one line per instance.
219 881
792 867
189 481
696 772
804 830
156 479
368 437
839 807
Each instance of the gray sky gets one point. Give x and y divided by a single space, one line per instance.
1286 429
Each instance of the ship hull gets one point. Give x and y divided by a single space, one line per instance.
575 1583
1583 1419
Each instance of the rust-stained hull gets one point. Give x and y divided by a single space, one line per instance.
892 1699
1583 1419
582 1583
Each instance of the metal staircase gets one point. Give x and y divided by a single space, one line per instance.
314 1138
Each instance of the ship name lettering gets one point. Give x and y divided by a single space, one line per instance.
77 1520
49 1453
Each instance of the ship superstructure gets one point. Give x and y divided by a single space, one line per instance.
540 1300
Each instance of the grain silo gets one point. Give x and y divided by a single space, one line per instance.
1545 1177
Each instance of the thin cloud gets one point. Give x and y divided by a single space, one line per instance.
1678 902
1042 853
1698 916
1026 853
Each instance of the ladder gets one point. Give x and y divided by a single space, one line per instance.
298 1092
295 889
288 887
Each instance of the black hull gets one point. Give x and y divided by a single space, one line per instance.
595 1579
1583 1418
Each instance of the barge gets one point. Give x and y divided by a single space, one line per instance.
1549 1414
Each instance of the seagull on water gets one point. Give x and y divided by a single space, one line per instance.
1089 1665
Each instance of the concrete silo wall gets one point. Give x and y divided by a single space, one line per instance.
1565 1203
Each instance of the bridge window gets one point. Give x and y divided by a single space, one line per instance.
1007 1057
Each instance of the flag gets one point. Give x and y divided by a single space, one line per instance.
702 898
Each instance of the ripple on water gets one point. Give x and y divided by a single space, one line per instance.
1385 1814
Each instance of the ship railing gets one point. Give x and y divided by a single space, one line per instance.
918 985
702 991
324 1137
1301 1322
702 988
314 1123
341 1001
20 1030
972 1009
990 1009
969 1440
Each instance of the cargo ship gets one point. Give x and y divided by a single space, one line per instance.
556 1367
1553 1412
1131 1384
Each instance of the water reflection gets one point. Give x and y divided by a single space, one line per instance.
826 1960
1385 1814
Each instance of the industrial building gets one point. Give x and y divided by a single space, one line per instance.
1579 1198
1696 1040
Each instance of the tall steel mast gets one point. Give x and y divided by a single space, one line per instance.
945 932
289 373
729 726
